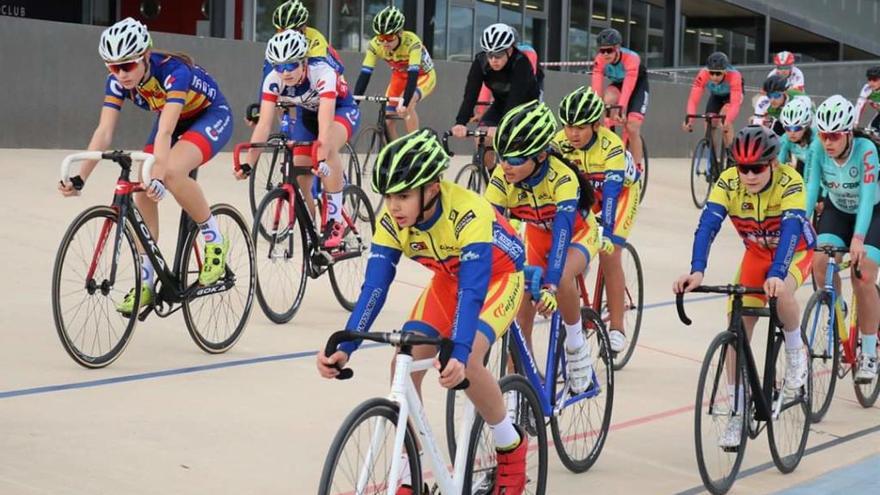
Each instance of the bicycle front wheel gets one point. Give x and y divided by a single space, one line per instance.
790 426
267 174
350 265
716 406
581 427
216 321
633 302
867 393
471 177
527 415
644 178
281 257
824 343
360 457
701 176
86 292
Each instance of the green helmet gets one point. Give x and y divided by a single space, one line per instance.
582 106
409 162
525 130
388 20
291 14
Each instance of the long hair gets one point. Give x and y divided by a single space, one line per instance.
587 197
183 57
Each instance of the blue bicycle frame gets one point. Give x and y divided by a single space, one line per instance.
830 271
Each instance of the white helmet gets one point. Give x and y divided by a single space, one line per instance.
836 114
126 40
497 37
798 111
286 46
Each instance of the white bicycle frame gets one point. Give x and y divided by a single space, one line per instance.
403 392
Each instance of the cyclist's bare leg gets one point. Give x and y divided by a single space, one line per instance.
412 118
820 265
338 135
304 177
568 295
184 157
726 129
612 94
615 286
869 301
150 213
391 125
634 139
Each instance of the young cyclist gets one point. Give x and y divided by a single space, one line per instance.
870 95
725 93
848 168
765 202
412 70
598 155
628 88
325 114
776 95
193 124
473 297
561 236
485 97
784 62
794 145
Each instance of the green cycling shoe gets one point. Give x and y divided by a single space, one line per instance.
215 262
126 307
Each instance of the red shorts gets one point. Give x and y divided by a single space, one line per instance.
755 265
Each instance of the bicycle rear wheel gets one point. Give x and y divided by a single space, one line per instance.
360 457
347 275
644 178
266 174
471 177
482 464
281 257
701 173
634 303
84 300
581 427
216 321
824 345
370 141
788 432
867 393
713 410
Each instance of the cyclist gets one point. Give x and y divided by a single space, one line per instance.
847 166
870 95
194 122
628 88
412 71
325 114
765 202
769 105
794 145
725 93
485 97
784 62
536 186
473 297
598 155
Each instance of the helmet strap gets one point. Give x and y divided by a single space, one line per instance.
849 147
425 207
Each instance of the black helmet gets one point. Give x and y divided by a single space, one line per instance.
717 61
609 37
754 144
775 84
873 72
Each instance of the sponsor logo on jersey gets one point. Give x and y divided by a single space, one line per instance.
507 306
453 215
464 221
793 190
469 256
388 224
418 246
169 81
116 88
748 206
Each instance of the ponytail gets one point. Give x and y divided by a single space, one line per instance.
587 196
183 57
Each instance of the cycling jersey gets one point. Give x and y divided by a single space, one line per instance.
867 96
852 186
465 240
170 80
771 221
410 59
604 163
513 85
532 55
627 71
795 80
762 106
322 80
318 49
547 200
730 87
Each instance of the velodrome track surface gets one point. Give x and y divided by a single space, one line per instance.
168 418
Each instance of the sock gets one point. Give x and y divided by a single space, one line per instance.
334 206
506 436
147 271
738 405
574 336
793 339
869 345
211 230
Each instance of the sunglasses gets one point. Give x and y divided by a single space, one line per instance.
386 38
607 50
716 73
794 128
288 67
124 66
515 161
831 136
783 67
752 168
775 95
497 55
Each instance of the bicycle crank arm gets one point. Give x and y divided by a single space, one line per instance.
195 291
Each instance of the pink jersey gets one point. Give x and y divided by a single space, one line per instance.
626 71
731 85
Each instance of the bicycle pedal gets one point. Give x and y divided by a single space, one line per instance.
143 314
730 450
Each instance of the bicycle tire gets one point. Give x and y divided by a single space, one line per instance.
867 393
701 161
644 177
266 174
821 354
239 259
595 331
471 178
63 324
266 238
722 344
634 305
357 203
529 419
370 141
794 413
378 408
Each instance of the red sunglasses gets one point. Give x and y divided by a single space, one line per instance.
386 38
124 66
752 168
831 136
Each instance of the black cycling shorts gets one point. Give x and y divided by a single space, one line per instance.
638 102
716 103
841 224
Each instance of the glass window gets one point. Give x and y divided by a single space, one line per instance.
618 19
535 5
511 14
346 33
440 24
534 33
690 43
371 8
461 28
737 54
578 37
657 14
638 25
487 13
752 54
654 55
600 10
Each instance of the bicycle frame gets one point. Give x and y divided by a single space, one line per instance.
383 116
837 322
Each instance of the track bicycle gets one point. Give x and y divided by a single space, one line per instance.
612 111
708 161
474 175
372 138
